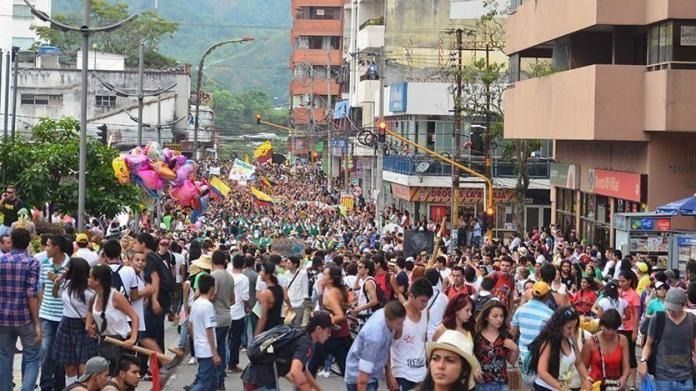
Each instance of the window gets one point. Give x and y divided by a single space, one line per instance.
319 13
660 49
23 43
318 42
21 12
36 99
105 100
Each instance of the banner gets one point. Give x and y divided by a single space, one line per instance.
416 242
242 171
214 170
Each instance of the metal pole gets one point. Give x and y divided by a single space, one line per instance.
454 215
141 97
158 217
82 179
4 138
8 59
329 124
380 146
15 69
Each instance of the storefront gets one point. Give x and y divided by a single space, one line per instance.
565 181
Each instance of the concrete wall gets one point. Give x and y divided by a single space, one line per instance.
424 99
672 167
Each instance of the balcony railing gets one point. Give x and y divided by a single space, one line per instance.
406 165
372 22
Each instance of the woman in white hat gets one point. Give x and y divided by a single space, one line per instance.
451 363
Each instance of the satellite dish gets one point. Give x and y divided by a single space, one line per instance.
422 167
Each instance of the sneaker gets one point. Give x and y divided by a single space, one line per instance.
336 370
192 361
234 369
324 373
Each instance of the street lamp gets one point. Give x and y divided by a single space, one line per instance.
85 30
199 77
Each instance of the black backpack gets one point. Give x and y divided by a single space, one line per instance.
117 283
381 297
271 346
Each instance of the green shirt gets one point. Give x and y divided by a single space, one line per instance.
655 305
51 307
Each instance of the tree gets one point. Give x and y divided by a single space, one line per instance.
149 28
45 169
483 83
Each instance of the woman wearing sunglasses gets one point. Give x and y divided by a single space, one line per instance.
556 356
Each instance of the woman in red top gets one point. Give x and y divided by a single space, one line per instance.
584 299
606 354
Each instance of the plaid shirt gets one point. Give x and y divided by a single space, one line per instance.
19 276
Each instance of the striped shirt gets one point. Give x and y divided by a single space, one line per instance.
51 307
19 273
530 320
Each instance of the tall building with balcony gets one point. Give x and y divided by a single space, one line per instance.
617 98
316 60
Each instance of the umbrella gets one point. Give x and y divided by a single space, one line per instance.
685 206
391 227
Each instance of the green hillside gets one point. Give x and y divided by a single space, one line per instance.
262 65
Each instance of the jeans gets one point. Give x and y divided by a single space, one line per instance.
221 342
674 385
52 373
495 386
184 335
234 340
371 386
405 385
206 375
31 356
250 322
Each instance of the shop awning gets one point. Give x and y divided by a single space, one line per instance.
685 207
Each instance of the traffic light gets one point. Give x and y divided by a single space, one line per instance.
382 132
258 119
489 218
103 134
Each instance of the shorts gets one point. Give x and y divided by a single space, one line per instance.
631 347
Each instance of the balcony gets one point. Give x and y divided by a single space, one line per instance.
318 27
670 99
367 91
371 38
596 102
317 56
406 165
536 22
317 86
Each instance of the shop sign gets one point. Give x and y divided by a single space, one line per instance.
437 195
400 191
564 175
617 184
685 241
687 36
651 224
398 94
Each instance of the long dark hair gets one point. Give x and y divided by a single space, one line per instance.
336 278
552 336
461 384
482 318
76 278
102 273
194 251
449 320
268 269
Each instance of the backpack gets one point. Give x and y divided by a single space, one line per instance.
481 301
381 298
266 347
117 282
167 282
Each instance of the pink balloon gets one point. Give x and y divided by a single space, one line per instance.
134 162
182 173
150 179
185 193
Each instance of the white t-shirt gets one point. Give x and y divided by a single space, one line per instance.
202 318
130 281
607 268
241 295
178 260
88 255
619 304
73 307
408 352
297 292
438 305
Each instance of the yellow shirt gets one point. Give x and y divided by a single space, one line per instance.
643 283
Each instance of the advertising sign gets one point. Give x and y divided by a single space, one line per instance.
242 171
564 175
397 97
617 184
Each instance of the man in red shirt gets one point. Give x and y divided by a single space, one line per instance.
458 284
504 283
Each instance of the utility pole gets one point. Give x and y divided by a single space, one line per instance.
15 66
329 123
8 59
380 145
141 96
489 141
454 215
85 30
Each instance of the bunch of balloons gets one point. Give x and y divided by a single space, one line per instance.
152 168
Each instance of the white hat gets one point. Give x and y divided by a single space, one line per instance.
522 251
456 342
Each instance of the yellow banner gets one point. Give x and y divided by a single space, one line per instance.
220 186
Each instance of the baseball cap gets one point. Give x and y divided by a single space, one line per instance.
675 299
540 289
670 274
320 319
94 366
82 238
659 284
642 267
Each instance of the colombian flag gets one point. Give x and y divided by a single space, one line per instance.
264 152
260 198
269 183
219 187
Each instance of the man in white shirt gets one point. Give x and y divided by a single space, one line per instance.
298 285
203 324
238 310
129 278
83 252
437 303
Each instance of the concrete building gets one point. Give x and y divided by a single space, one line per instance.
619 103
47 89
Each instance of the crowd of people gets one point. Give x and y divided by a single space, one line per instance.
540 310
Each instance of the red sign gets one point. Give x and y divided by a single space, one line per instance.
663 224
400 191
464 195
617 184
437 212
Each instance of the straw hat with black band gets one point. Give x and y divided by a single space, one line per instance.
457 343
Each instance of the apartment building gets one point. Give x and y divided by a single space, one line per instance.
617 98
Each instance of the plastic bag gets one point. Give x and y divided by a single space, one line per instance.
647 384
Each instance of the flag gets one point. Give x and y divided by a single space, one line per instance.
261 198
219 187
264 152
264 179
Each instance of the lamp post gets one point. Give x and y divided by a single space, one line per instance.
85 30
199 77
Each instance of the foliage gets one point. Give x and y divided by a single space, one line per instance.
149 28
45 168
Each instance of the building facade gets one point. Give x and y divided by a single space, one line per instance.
616 99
